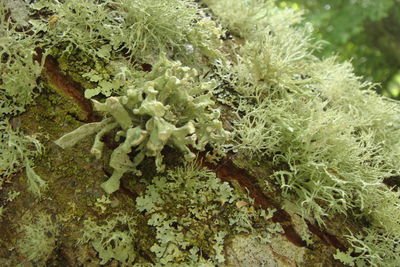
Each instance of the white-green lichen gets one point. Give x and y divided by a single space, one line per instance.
247 250
194 213
18 70
39 237
330 145
113 240
250 19
190 214
334 140
142 28
371 248
18 82
172 107
18 150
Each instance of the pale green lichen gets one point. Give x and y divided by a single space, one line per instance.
39 238
194 213
19 11
114 239
18 71
100 36
103 203
330 145
250 19
280 63
142 28
326 161
19 150
371 248
331 139
172 107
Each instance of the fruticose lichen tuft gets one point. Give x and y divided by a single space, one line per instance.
143 29
172 107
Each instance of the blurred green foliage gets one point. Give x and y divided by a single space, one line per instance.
366 32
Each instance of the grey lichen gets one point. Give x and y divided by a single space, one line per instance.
17 69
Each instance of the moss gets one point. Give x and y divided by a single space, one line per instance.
49 116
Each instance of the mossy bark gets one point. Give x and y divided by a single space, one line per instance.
74 177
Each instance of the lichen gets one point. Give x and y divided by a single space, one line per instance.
19 150
325 140
247 250
194 213
143 29
18 71
113 239
18 82
331 140
172 106
39 238
371 248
